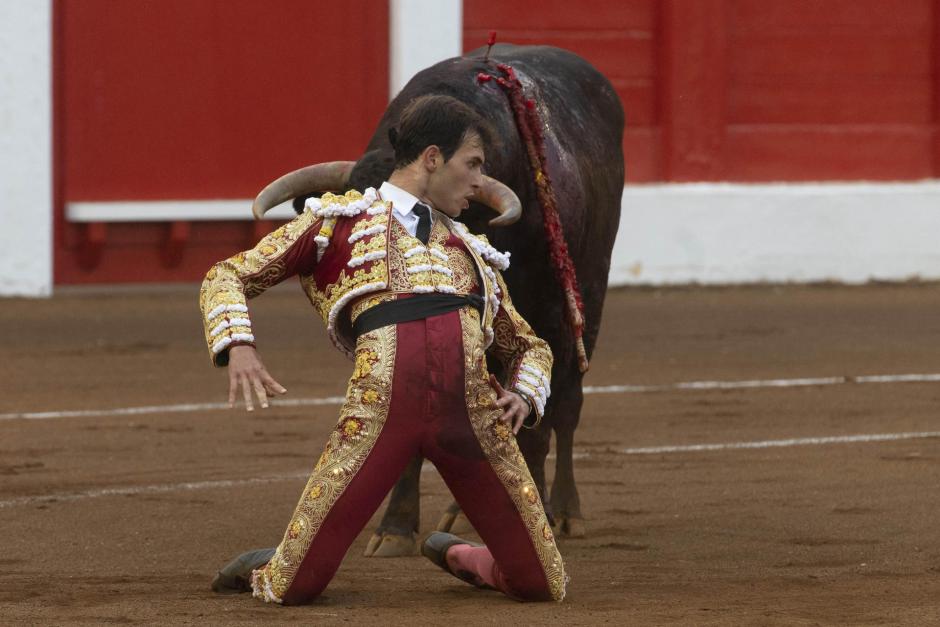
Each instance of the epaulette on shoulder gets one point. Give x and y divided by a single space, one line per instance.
482 246
330 207
351 203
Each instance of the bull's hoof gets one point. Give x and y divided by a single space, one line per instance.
446 522
570 527
391 545
462 525
455 523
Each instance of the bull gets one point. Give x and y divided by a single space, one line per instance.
581 136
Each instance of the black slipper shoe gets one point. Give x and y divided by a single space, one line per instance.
235 577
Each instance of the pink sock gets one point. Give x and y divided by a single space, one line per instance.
479 561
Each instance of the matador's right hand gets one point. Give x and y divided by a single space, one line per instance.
245 369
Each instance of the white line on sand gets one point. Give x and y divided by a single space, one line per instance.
163 409
145 489
229 483
589 389
762 383
835 439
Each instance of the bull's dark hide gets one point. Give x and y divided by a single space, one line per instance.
583 132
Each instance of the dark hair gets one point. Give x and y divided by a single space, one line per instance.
436 120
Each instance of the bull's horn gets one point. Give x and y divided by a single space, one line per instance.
501 199
321 177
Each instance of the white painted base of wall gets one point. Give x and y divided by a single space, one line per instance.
725 233
712 233
171 210
25 148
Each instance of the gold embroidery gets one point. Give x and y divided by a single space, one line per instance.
351 428
330 203
504 456
369 302
399 243
501 430
350 443
346 283
229 283
368 223
418 281
368 276
367 245
364 362
270 276
526 357
463 276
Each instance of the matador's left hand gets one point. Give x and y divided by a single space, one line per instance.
515 409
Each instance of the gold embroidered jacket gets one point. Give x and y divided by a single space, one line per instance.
351 254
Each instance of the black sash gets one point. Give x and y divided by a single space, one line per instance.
415 308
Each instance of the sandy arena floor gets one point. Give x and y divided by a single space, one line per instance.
124 518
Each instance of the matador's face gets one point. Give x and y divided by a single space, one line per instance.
453 182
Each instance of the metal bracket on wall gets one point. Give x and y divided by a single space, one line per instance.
177 238
93 237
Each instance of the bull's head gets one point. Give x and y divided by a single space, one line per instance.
334 177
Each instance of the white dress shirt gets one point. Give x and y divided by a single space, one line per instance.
402 203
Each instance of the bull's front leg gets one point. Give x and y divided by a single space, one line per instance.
396 535
567 399
455 521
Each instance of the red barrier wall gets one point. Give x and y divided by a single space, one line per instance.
199 99
753 90
618 37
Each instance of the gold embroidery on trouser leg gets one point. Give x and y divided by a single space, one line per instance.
502 452
362 417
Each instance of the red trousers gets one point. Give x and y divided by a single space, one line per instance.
418 388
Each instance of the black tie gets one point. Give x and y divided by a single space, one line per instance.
424 222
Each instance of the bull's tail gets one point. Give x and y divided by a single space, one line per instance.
530 129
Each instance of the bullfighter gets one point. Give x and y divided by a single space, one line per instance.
417 302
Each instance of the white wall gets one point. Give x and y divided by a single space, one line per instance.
722 233
421 33
25 147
